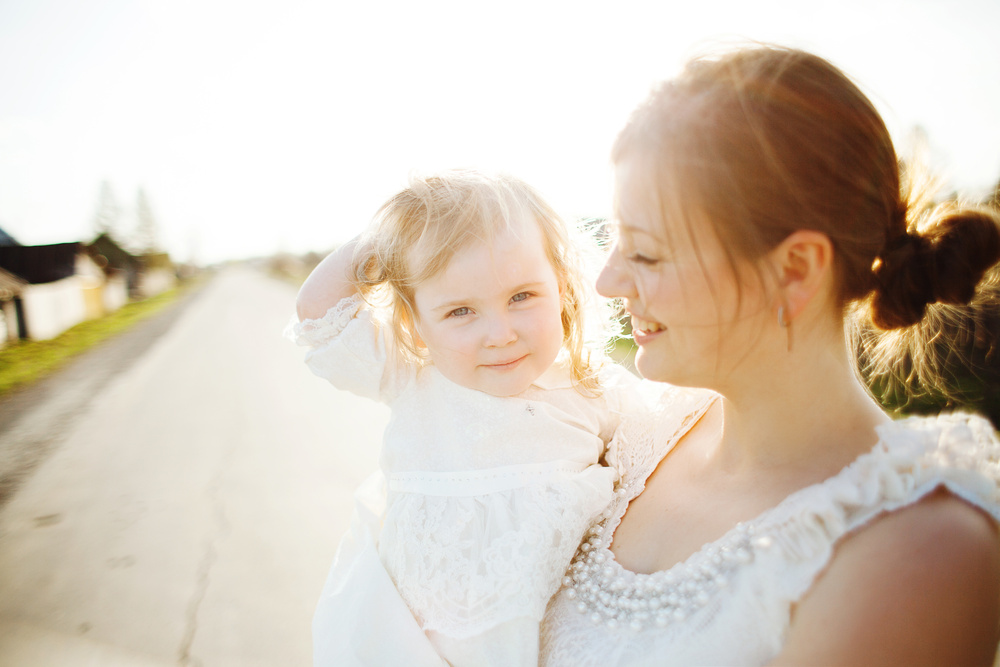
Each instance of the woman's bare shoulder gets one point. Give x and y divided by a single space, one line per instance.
916 586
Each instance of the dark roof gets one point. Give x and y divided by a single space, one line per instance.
116 257
40 263
6 239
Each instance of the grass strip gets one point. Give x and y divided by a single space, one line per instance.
623 352
24 362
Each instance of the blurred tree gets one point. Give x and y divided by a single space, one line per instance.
145 240
108 212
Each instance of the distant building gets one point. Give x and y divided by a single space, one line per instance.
47 289
121 269
11 316
158 274
63 287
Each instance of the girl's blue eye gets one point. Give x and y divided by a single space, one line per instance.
520 296
459 312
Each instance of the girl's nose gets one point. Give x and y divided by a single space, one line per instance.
499 332
614 280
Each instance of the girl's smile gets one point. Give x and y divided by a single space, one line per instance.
507 365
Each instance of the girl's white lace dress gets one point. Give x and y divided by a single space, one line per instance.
480 504
730 603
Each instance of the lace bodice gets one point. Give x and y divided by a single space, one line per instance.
730 602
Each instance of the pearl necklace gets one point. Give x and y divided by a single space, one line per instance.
612 595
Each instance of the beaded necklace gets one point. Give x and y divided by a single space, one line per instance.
617 597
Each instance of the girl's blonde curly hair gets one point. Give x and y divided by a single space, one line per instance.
415 234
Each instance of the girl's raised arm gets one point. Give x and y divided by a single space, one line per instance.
331 281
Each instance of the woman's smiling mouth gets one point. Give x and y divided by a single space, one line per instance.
644 327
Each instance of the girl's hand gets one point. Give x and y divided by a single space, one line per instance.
331 281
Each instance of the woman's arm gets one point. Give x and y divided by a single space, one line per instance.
331 281
919 586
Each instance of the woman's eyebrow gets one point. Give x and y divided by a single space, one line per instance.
632 229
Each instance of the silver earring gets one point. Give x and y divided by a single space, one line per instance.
782 322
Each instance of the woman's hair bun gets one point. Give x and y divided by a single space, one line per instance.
944 263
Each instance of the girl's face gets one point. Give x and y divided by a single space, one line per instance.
692 320
492 319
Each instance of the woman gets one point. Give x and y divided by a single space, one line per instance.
782 517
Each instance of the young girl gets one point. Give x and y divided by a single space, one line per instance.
462 309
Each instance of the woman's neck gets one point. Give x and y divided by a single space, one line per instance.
799 408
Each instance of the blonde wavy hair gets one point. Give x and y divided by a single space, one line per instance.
415 234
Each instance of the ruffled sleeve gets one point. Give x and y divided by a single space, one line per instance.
913 458
647 434
350 348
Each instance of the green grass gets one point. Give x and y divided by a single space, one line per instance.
24 362
623 352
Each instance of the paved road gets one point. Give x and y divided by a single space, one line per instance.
36 419
190 512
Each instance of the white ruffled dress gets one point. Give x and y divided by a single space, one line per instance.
479 506
730 603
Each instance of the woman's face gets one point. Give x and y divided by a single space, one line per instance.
693 321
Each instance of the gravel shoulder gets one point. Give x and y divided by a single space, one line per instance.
35 419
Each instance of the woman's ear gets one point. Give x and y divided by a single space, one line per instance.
803 264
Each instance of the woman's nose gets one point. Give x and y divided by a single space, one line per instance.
614 281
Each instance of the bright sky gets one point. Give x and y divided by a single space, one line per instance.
256 127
